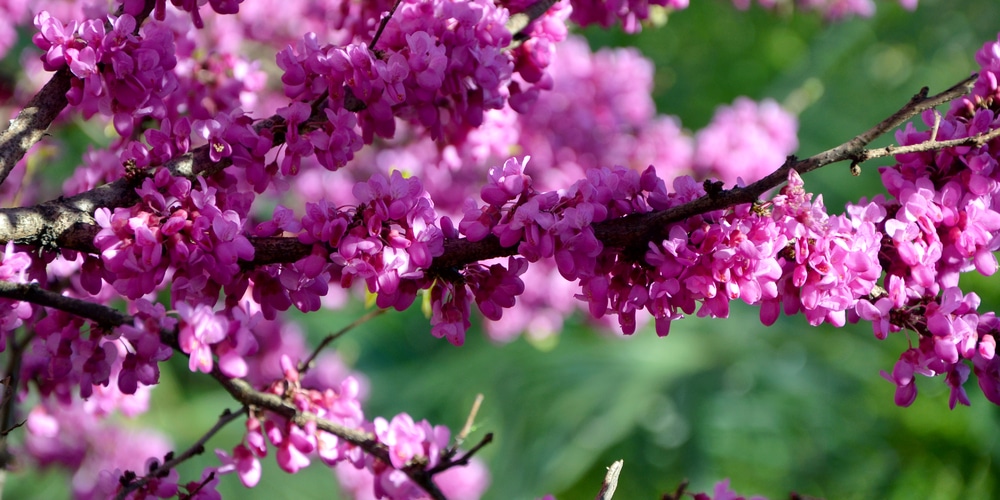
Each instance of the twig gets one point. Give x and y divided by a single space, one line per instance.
678 493
464 459
930 145
201 485
308 363
467 428
937 125
195 449
610 481
11 380
381 25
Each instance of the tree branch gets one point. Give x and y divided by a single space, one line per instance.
104 316
28 127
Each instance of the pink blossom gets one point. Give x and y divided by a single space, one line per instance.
201 327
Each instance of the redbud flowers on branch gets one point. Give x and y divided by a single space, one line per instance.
242 392
66 223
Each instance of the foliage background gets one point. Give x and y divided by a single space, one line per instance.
780 409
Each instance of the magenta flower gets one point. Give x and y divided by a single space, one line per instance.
402 436
243 462
201 327
214 132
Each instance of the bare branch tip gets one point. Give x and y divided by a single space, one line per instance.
611 480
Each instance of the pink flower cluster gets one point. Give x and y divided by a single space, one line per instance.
386 241
941 220
745 141
438 63
598 112
721 491
134 7
118 73
13 269
13 11
78 437
785 252
173 224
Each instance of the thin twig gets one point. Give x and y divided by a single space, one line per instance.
381 25
930 145
195 449
610 481
201 485
308 363
937 125
469 421
464 459
30 292
466 429
677 493
12 379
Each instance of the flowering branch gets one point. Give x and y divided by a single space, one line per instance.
179 219
68 223
29 126
634 231
243 392
976 141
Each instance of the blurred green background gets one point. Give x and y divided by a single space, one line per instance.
780 409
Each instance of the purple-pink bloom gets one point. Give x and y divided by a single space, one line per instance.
200 328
